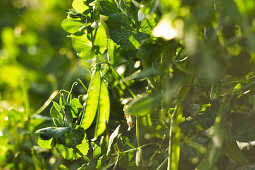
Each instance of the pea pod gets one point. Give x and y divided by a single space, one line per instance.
103 110
92 101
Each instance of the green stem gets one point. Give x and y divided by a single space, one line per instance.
162 165
170 138
46 104
83 156
83 85
134 149
137 131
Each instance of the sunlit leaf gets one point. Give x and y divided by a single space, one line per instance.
75 105
72 26
112 46
101 37
79 6
84 146
56 115
83 46
66 153
96 150
45 143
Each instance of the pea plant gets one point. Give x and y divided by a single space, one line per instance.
171 87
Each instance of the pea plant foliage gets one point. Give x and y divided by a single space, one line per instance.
172 86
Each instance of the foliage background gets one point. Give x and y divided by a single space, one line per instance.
36 58
215 37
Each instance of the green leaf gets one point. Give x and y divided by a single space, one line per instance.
144 105
68 116
121 26
243 130
92 100
79 6
56 114
75 102
52 132
75 105
62 100
72 26
57 107
103 111
84 146
74 137
101 37
96 150
150 72
74 146
234 151
45 143
83 46
127 39
107 7
148 24
112 46
66 153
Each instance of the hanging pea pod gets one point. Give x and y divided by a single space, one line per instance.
103 110
92 101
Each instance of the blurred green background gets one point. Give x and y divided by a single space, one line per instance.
33 49
36 58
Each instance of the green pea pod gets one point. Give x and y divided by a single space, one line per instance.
92 101
103 110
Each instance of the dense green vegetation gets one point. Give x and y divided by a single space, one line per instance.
146 84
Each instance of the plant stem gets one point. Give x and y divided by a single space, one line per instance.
83 85
46 104
162 165
83 156
137 131
170 139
